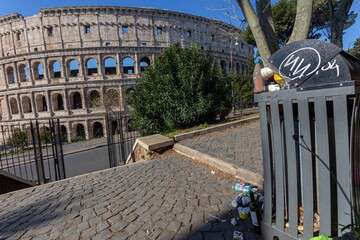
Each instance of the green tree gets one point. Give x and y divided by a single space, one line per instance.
272 26
18 139
183 88
355 50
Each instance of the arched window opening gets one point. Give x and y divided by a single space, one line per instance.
38 71
223 66
91 66
144 64
10 75
41 105
74 67
110 66
14 106
128 65
58 102
76 100
24 73
55 69
80 131
95 100
98 130
63 132
112 98
238 68
26 104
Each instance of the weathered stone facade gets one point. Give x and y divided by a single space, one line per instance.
56 63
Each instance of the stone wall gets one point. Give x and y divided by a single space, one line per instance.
54 64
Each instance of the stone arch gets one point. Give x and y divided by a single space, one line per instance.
97 130
128 65
55 69
73 67
38 70
14 106
79 131
57 102
91 66
110 66
95 99
26 104
63 133
41 105
75 100
24 72
144 64
10 74
112 98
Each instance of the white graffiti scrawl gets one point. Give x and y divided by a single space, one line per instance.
300 63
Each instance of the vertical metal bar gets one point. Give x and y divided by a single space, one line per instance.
37 152
122 142
59 150
292 168
342 160
110 139
267 164
279 165
322 151
306 169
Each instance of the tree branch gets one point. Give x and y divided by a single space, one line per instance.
259 35
302 20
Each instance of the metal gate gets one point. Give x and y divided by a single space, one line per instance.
121 137
33 152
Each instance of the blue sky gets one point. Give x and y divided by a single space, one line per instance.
206 8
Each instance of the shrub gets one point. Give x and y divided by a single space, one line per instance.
183 88
18 139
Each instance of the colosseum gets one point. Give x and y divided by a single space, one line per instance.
63 62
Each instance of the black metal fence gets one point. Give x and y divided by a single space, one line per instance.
121 137
33 152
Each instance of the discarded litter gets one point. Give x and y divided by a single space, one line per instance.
238 235
248 203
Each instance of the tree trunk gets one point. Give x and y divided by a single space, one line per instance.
264 13
256 29
302 23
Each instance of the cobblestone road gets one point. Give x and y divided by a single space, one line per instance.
170 198
240 146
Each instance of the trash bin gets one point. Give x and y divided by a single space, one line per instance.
310 137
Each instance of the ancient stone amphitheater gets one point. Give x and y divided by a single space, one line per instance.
63 62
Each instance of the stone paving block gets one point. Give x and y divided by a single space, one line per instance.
171 198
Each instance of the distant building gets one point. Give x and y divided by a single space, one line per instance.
61 62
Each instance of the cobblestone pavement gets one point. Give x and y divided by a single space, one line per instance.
240 145
168 198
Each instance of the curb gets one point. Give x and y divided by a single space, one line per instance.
215 128
225 167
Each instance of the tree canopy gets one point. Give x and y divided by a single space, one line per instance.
355 50
183 88
274 25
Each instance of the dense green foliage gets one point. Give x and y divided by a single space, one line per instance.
18 139
284 12
183 88
355 50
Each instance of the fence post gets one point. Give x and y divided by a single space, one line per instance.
36 141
